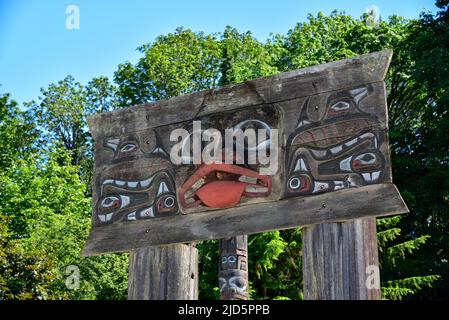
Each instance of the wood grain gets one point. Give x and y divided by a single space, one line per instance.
163 273
347 73
335 260
342 205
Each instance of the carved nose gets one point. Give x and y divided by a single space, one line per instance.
221 194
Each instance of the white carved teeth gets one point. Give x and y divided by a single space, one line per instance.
120 182
366 177
351 142
105 217
371 176
375 175
339 185
124 201
336 149
146 183
147 212
345 164
132 216
248 179
366 135
132 184
300 165
256 189
319 153
162 188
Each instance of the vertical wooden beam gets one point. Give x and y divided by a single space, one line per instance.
233 268
339 259
163 273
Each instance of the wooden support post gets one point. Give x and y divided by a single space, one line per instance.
233 268
340 261
163 273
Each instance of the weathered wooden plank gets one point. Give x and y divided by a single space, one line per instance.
333 134
163 273
342 205
335 260
327 77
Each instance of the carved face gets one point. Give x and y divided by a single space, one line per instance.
229 261
132 199
145 143
139 182
207 184
233 285
341 150
204 186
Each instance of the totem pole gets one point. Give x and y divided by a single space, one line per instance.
233 268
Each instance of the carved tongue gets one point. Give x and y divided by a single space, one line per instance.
221 194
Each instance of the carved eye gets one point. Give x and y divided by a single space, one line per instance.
224 260
366 158
109 202
340 106
255 125
300 183
128 147
294 183
169 202
166 203
232 259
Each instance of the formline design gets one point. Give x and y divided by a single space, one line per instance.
333 161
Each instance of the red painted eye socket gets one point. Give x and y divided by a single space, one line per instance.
109 203
300 183
166 203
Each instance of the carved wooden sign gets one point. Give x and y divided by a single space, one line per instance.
321 147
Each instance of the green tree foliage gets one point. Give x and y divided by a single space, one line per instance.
48 219
24 273
17 132
421 140
243 58
175 64
400 280
61 113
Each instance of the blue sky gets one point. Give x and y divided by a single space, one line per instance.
36 48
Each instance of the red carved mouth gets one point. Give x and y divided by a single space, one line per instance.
222 186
